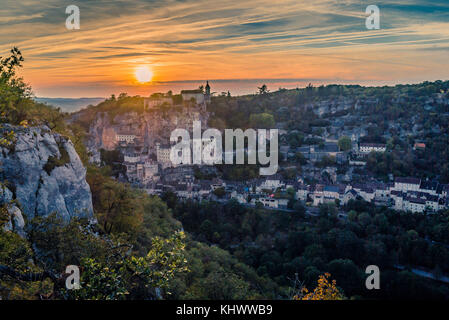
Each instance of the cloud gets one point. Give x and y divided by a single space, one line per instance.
198 39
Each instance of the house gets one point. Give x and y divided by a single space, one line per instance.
183 191
331 192
163 155
432 203
283 203
419 146
318 194
367 194
271 183
301 192
349 195
240 196
316 152
196 96
398 199
369 147
430 187
444 190
381 190
414 204
124 137
269 202
406 184
131 158
151 169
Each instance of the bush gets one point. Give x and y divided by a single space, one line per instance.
54 162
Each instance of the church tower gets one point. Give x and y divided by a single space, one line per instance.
207 97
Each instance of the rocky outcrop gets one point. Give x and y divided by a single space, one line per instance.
42 174
150 126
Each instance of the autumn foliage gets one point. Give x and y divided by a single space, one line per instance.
324 291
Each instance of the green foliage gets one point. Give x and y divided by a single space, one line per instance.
261 121
14 93
99 282
241 172
295 139
110 270
345 143
117 206
326 161
112 107
219 192
54 162
16 104
132 277
8 139
113 159
280 245
16 253
263 89
61 243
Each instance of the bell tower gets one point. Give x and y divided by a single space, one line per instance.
207 96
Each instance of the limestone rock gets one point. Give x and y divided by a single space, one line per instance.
45 175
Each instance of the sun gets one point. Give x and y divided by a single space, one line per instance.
143 74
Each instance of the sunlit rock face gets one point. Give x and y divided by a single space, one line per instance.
43 174
150 127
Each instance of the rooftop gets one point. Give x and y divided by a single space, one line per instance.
196 91
408 180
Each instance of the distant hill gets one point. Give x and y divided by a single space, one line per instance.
70 104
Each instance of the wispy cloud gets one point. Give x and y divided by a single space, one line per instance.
199 39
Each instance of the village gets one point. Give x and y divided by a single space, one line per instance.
150 168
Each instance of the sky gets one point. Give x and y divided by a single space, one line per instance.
235 44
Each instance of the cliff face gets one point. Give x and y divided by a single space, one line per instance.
151 127
45 175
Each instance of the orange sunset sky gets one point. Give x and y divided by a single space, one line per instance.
294 42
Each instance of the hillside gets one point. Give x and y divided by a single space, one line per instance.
69 104
126 243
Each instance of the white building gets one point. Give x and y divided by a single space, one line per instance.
273 203
163 156
414 205
270 183
151 170
131 158
193 95
240 197
368 147
302 192
128 138
406 184
348 196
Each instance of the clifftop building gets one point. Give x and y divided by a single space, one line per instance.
196 96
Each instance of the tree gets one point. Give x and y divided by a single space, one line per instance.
325 290
261 121
345 143
299 208
263 89
219 192
122 276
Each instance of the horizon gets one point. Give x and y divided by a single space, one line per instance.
176 41
249 90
